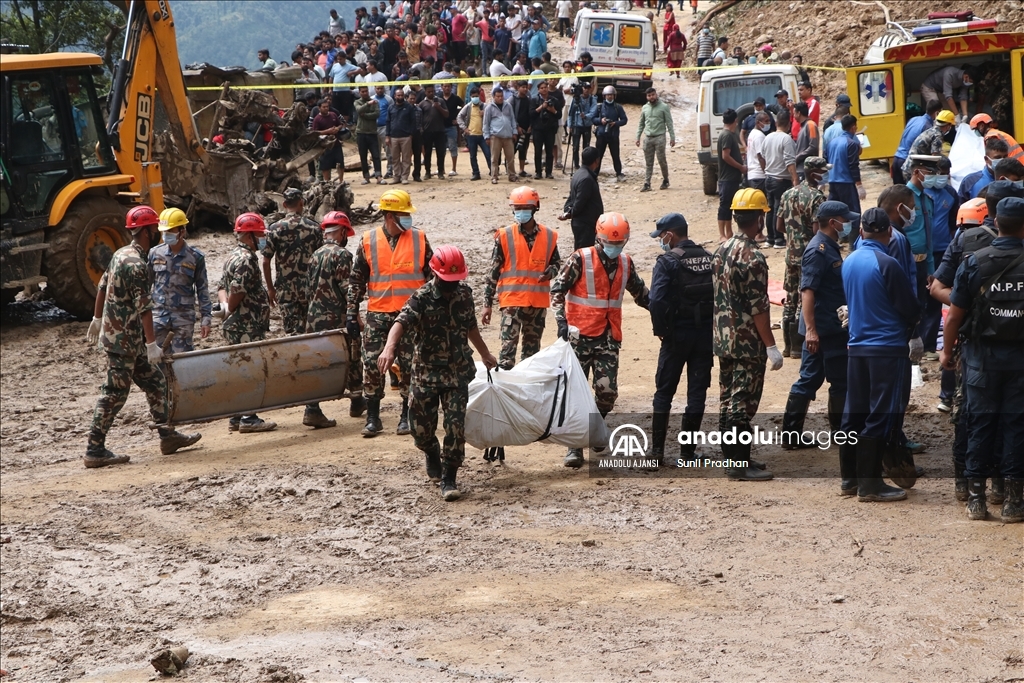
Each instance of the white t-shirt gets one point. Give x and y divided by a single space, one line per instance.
498 69
755 145
372 78
562 8
514 23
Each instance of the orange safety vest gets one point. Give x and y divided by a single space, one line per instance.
1015 149
519 283
394 275
593 302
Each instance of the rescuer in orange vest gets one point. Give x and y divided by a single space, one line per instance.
391 263
588 294
524 259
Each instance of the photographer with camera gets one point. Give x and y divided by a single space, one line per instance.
524 122
609 117
547 108
583 102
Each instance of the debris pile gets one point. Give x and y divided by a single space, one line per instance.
254 148
320 198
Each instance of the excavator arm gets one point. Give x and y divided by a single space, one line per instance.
149 68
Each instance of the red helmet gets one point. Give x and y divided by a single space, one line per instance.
448 263
337 219
140 217
250 222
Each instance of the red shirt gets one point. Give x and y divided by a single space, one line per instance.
485 31
459 28
813 109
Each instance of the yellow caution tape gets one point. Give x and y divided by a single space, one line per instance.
480 80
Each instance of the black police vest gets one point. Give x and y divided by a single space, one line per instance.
998 314
694 290
978 238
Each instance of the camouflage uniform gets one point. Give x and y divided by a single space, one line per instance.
378 324
928 142
127 286
516 320
798 208
600 354
740 275
292 240
251 320
179 280
442 366
329 272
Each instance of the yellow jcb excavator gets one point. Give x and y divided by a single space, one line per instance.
68 178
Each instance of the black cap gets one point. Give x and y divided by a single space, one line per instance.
1000 189
673 221
781 93
833 209
843 98
875 219
759 100
1010 207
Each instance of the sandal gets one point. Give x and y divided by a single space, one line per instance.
494 181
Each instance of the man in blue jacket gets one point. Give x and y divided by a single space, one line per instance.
915 127
609 117
844 183
883 307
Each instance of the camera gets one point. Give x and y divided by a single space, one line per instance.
577 90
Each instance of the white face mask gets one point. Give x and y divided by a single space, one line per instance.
911 217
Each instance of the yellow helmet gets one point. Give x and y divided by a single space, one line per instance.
397 200
171 219
750 199
946 117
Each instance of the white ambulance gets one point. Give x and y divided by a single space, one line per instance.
616 40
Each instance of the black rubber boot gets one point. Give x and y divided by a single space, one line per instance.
898 463
1013 506
659 428
373 426
315 418
171 440
797 340
976 507
959 483
749 473
870 487
449 489
403 421
787 343
793 421
357 406
97 455
574 458
434 469
836 407
691 423
998 493
848 470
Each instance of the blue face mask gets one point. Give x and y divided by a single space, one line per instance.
666 245
474 100
405 222
170 238
610 251
523 216
261 243
929 181
941 181
847 226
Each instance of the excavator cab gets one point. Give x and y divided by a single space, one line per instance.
61 214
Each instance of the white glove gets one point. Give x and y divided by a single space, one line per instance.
916 350
958 120
844 316
154 353
95 327
775 357
862 193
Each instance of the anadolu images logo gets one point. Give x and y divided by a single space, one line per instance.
625 443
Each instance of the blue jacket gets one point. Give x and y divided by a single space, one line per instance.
945 204
538 44
915 127
844 155
882 305
612 112
973 183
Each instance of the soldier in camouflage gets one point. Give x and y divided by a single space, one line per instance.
243 297
743 336
521 277
588 294
291 242
329 272
929 142
389 262
798 208
178 271
441 316
123 322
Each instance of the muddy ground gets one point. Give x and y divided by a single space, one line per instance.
321 556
